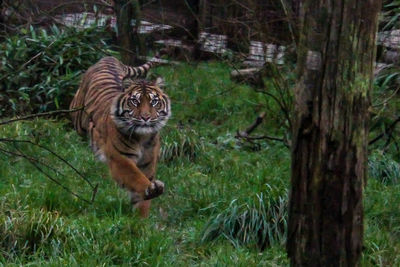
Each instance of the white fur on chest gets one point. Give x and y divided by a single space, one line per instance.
101 156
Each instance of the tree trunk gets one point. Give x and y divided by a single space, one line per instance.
329 148
197 9
193 27
296 7
129 41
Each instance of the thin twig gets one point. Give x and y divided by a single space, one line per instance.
387 131
291 22
384 102
26 63
53 153
246 133
60 184
54 112
22 155
34 162
255 124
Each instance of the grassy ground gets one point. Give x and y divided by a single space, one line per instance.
221 196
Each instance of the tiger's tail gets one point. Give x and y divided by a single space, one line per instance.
141 71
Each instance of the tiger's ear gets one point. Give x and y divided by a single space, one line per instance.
160 82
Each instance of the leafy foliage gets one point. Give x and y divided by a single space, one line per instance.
40 69
390 15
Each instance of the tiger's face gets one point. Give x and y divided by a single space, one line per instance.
142 109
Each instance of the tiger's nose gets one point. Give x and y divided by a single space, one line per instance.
145 117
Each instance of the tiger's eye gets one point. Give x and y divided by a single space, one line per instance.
154 102
134 102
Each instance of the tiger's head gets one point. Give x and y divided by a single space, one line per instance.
143 108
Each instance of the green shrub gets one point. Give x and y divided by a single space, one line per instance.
180 142
40 69
25 232
383 168
385 106
388 78
261 222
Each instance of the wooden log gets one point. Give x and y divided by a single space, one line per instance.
251 76
176 49
391 57
159 60
389 39
251 127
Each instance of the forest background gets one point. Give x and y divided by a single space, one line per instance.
227 184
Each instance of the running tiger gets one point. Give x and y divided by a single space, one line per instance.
123 125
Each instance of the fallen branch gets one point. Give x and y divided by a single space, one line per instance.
158 60
246 133
265 137
252 127
245 72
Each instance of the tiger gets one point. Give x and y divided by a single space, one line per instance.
123 123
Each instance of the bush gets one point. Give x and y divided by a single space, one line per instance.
179 143
389 78
25 232
40 69
262 222
383 168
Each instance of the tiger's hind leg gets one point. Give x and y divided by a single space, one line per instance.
95 145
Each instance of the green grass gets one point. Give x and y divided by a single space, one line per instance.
211 213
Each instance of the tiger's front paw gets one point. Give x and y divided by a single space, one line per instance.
154 190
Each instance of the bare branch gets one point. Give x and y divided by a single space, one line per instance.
23 155
36 162
253 126
265 137
41 115
386 132
60 184
53 153
246 133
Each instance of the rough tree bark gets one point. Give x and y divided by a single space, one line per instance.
329 149
129 41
